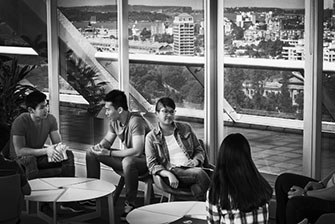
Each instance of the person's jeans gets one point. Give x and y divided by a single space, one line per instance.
294 210
34 166
131 166
195 178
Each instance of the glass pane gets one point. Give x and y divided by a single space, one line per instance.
96 21
264 96
18 66
8 37
86 27
174 29
166 28
177 82
328 92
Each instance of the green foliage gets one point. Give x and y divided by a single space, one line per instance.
233 92
164 38
194 92
285 100
155 81
85 80
145 34
12 90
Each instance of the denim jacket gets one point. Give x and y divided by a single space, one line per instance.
157 153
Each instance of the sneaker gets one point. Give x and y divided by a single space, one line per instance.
127 208
72 206
89 204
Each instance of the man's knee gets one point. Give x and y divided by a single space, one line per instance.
128 162
90 155
69 155
281 179
30 166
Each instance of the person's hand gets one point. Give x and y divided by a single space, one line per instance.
192 163
99 150
295 191
312 185
53 154
174 182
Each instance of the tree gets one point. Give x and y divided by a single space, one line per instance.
257 80
285 100
146 34
194 92
233 89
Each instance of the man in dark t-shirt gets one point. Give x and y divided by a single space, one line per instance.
131 129
29 133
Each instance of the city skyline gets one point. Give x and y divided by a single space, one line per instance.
196 4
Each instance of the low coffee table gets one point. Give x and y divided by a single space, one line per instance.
70 189
167 212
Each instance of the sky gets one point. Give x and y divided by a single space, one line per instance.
197 4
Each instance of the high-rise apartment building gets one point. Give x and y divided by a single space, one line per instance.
183 35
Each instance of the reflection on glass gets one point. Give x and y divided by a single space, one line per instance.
8 37
21 73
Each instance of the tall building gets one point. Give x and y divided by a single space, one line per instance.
183 35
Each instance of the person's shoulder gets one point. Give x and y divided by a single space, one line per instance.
182 124
136 117
51 118
22 118
151 133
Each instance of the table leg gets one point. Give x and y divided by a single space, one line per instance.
111 208
54 208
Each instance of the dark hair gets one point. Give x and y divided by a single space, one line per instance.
236 182
34 98
118 99
165 102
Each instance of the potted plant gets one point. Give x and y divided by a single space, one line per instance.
85 80
12 94
12 88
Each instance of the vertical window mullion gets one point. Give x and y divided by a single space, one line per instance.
312 88
53 56
213 84
123 45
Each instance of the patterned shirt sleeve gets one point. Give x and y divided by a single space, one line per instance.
213 216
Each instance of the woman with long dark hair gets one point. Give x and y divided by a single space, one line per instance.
238 192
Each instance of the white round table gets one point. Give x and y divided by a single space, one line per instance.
167 212
69 189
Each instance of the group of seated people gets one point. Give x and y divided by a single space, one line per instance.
235 190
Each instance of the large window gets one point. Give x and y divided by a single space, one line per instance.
85 29
175 30
264 67
23 57
328 90
264 96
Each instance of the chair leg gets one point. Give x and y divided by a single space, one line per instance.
171 198
118 189
147 192
162 199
